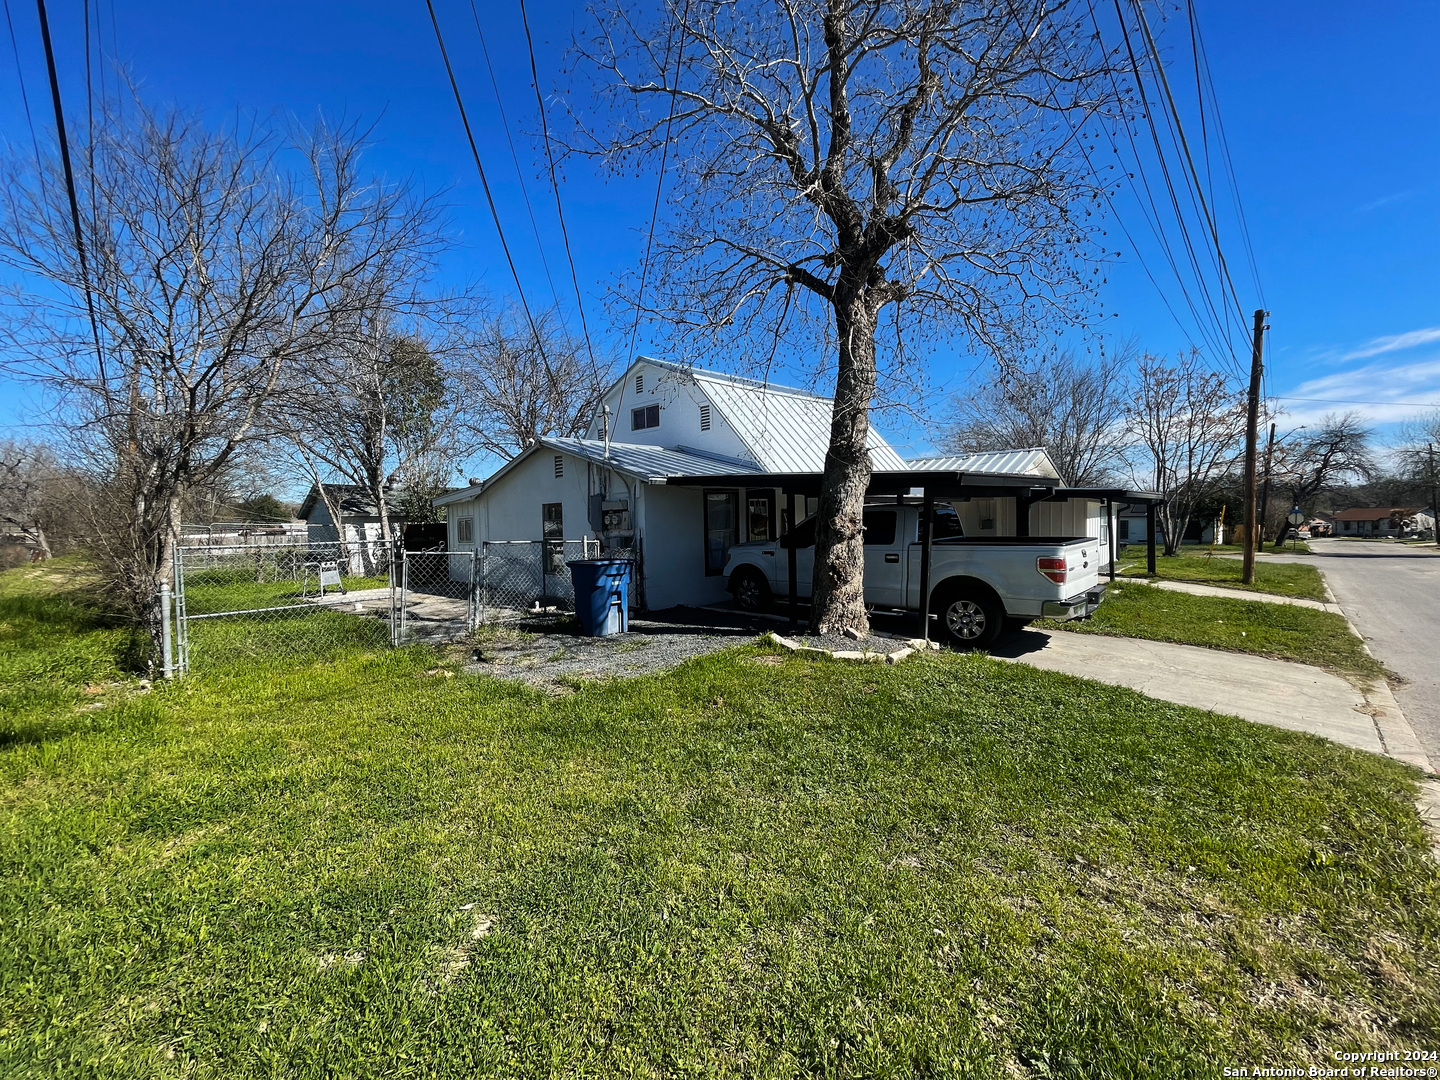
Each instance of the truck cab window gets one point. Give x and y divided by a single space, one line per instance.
946 523
879 528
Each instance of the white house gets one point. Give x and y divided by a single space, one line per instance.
674 469
660 422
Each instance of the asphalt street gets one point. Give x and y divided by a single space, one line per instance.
1391 592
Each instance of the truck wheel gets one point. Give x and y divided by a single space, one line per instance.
750 589
969 618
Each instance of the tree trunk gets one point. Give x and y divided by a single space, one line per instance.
839 574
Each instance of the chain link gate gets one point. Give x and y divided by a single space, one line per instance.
436 598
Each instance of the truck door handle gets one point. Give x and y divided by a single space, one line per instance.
892 556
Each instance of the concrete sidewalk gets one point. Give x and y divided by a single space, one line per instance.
1197 589
1275 692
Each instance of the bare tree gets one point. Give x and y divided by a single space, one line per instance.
841 162
372 408
215 262
519 383
42 500
1069 407
1187 423
1336 449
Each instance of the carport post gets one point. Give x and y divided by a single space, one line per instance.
1150 539
1110 533
927 513
790 561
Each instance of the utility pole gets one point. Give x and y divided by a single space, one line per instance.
1252 422
1259 537
1434 494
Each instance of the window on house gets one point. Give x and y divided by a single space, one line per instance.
559 466
647 416
464 530
1124 530
704 417
639 384
721 522
552 528
760 515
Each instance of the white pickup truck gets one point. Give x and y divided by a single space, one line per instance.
977 585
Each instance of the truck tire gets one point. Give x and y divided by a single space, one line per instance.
750 589
970 618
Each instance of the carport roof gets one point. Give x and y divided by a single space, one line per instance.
940 483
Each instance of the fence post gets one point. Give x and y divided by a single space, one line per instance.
167 664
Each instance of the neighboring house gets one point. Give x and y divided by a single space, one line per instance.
357 507
1130 529
1383 521
1322 524
677 466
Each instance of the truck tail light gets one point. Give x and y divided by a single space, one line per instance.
1054 569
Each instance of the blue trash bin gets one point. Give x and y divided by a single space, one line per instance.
602 601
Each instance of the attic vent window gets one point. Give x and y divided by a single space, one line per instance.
639 384
704 417
559 466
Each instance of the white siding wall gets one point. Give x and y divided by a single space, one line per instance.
679 400
674 550
1073 517
511 509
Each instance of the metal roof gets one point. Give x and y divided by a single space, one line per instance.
646 462
787 430
1029 461
653 464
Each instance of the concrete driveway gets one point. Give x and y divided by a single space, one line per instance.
1255 688
1391 592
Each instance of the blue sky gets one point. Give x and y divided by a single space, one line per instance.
1332 112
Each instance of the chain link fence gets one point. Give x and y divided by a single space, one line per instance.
526 580
313 598
234 602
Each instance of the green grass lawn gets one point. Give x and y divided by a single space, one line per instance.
1282 579
1286 631
754 865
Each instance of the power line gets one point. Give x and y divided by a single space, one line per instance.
1153 217
1190 162
659 184
1222 345
555 184
1348 401
514 156
20 75
484 183
70 184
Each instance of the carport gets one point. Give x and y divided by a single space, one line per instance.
929 485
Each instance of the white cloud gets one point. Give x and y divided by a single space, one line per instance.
1394 343
1390 392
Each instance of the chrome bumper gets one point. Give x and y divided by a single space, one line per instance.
1077 607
